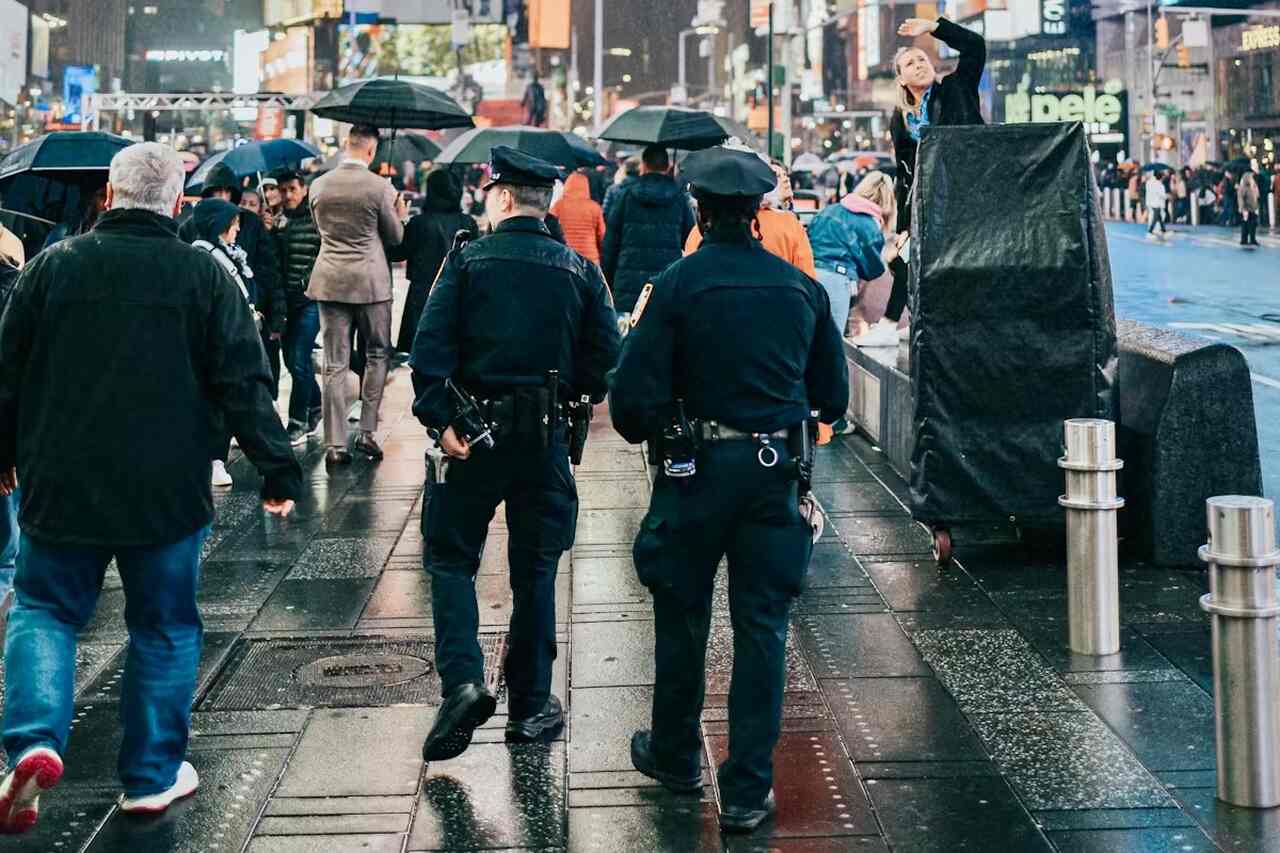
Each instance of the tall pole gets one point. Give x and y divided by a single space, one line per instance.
785 156
768 83
1151 86
598 81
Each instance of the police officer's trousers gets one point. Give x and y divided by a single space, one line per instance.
542 512
734 507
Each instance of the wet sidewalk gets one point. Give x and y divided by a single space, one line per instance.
924 710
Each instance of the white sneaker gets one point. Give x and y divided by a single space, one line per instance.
221 478
357 408
37 771
184 786
882 334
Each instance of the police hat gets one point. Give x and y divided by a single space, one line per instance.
509 166
728 172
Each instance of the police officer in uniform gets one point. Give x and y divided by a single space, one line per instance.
505 311
733 348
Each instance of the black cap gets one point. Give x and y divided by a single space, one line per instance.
221 177
509 166
729 172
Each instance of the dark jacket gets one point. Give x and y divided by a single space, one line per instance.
644 233
505 310
266 287
139 335
952 101
686 342
299 245
427 239
611 194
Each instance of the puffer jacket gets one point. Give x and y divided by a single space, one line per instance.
644 234
299 242
846 238
581 218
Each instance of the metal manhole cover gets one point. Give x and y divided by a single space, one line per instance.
356 672
351 671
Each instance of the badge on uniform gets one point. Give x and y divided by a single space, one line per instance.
640 303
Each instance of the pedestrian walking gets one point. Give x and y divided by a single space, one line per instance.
427 239
1156 196
580 217
519 322
127 478
745 417
1249 201
927 100
298 243
645 230
623 178
356 213
215 224
12 255
534 103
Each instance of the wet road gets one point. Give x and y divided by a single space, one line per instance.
1203 283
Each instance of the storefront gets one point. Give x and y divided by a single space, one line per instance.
1247 85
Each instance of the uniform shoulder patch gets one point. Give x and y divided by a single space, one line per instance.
642 301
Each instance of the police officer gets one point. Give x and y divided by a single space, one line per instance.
505 311
733 347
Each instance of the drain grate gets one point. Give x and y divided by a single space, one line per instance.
364 672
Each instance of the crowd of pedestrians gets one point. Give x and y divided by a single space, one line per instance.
1233 197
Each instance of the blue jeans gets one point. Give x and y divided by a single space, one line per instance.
840 290
8 541
299 339
57 591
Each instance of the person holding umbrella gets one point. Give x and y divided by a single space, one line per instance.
356 213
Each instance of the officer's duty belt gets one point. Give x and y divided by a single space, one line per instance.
714 431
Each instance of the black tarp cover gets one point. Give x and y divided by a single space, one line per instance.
1012 321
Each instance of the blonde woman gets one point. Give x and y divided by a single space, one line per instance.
927 100
848 241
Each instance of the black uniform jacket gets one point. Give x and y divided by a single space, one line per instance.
506 309
743 337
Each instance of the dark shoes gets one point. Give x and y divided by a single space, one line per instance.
337 456
742 819
539 726
465 709
644 760
367 446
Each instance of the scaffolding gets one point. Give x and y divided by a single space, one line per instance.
95 104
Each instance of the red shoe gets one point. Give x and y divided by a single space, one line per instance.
37 771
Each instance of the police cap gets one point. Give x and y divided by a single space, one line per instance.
730 172
509 166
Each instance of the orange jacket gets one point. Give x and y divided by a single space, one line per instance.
783 236
581 218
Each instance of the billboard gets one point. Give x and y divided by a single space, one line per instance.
415 50
298 11
77 80
13 49
428 11
245 66
286 63
549 24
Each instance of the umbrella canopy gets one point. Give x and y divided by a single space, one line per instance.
736 129
392 103
673 127
588 156
808 163
550 145
64 151
1157 167
405 146
254 158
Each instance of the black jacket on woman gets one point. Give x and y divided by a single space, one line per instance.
427 239
953 100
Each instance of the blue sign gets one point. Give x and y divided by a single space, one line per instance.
77 80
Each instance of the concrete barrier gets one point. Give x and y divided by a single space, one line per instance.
1186 430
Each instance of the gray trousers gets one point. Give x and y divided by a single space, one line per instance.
373 322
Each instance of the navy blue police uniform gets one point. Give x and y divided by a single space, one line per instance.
744 340
505 310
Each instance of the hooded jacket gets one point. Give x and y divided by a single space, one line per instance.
209 221
847 239
644 234
781 234
581 218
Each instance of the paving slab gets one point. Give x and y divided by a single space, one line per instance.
994 670
864 498
901 719
1141 840
607 580
303 605
883 537
1190 651
688 828
375 761
858 645
943 815
1233 828
602 720
328 844
1169 725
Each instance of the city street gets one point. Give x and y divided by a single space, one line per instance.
1203 283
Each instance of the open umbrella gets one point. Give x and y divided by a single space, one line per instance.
392 103
673 127
405 146
736 129
1157 167
474 145
254 158
64 151
588 156
808 163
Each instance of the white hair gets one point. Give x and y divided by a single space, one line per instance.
146 176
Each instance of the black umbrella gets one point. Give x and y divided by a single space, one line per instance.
550 145
673 127
1240 164
588 156
70 151
405 146
1157 167
736 129
392 103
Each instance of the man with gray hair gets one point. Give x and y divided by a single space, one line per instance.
113 348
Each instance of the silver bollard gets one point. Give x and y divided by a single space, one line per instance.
1093 578
1242 557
